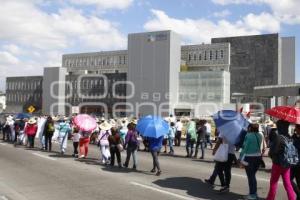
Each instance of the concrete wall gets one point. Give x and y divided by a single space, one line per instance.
153 66
287 60
254 61
54 91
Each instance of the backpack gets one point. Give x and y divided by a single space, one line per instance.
289 156
133 142
50 128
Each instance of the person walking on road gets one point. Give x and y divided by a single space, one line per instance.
48 133
84 142
30 131
103 141
250 158
295 170
131 145
178 127
278 148
171 136
64 129
208 134
155 145
75 138
190 138
114 146
201 138
224 168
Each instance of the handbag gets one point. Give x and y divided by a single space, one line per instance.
221 154
120 147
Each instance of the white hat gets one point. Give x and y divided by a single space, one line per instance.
105 126
9 118
31 121
134 121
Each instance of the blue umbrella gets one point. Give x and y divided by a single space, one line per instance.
152 126
23 116
230 124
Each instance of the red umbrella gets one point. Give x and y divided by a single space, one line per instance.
85 122
286 113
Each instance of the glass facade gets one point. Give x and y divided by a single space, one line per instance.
204 86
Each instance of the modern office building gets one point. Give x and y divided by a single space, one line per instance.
153 69
157 72
259 60
96 93
23 92
2 102
99 62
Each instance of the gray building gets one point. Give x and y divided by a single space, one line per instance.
98 62
206 57
158 75
23 92
153 68
96 93
259 60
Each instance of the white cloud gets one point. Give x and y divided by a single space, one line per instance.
202 30
262 22
287 11
225 2
222 14
12 48
105 4
34 38
7 58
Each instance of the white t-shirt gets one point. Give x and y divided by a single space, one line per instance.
76 137
103 137
178 126
208 127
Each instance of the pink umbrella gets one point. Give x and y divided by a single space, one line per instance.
85 122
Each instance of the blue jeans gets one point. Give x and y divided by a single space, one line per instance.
171 140
189 146
251 169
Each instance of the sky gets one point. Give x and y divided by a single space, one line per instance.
36 33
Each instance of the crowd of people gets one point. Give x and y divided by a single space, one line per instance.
114 136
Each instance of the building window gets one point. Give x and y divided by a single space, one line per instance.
200 56
205 55
222 54
120 60
190 57
216 54
195 57
210 55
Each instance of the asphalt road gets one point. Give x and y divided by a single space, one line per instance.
35 175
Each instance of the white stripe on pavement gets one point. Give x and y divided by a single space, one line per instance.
43 156
162 191
3 144
3 198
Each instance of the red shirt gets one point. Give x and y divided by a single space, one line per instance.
31 129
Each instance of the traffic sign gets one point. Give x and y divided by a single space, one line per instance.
31 109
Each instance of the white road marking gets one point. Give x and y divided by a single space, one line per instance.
259 179
162 191
3 144
4 198
43 156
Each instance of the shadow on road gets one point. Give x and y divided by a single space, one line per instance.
196 188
